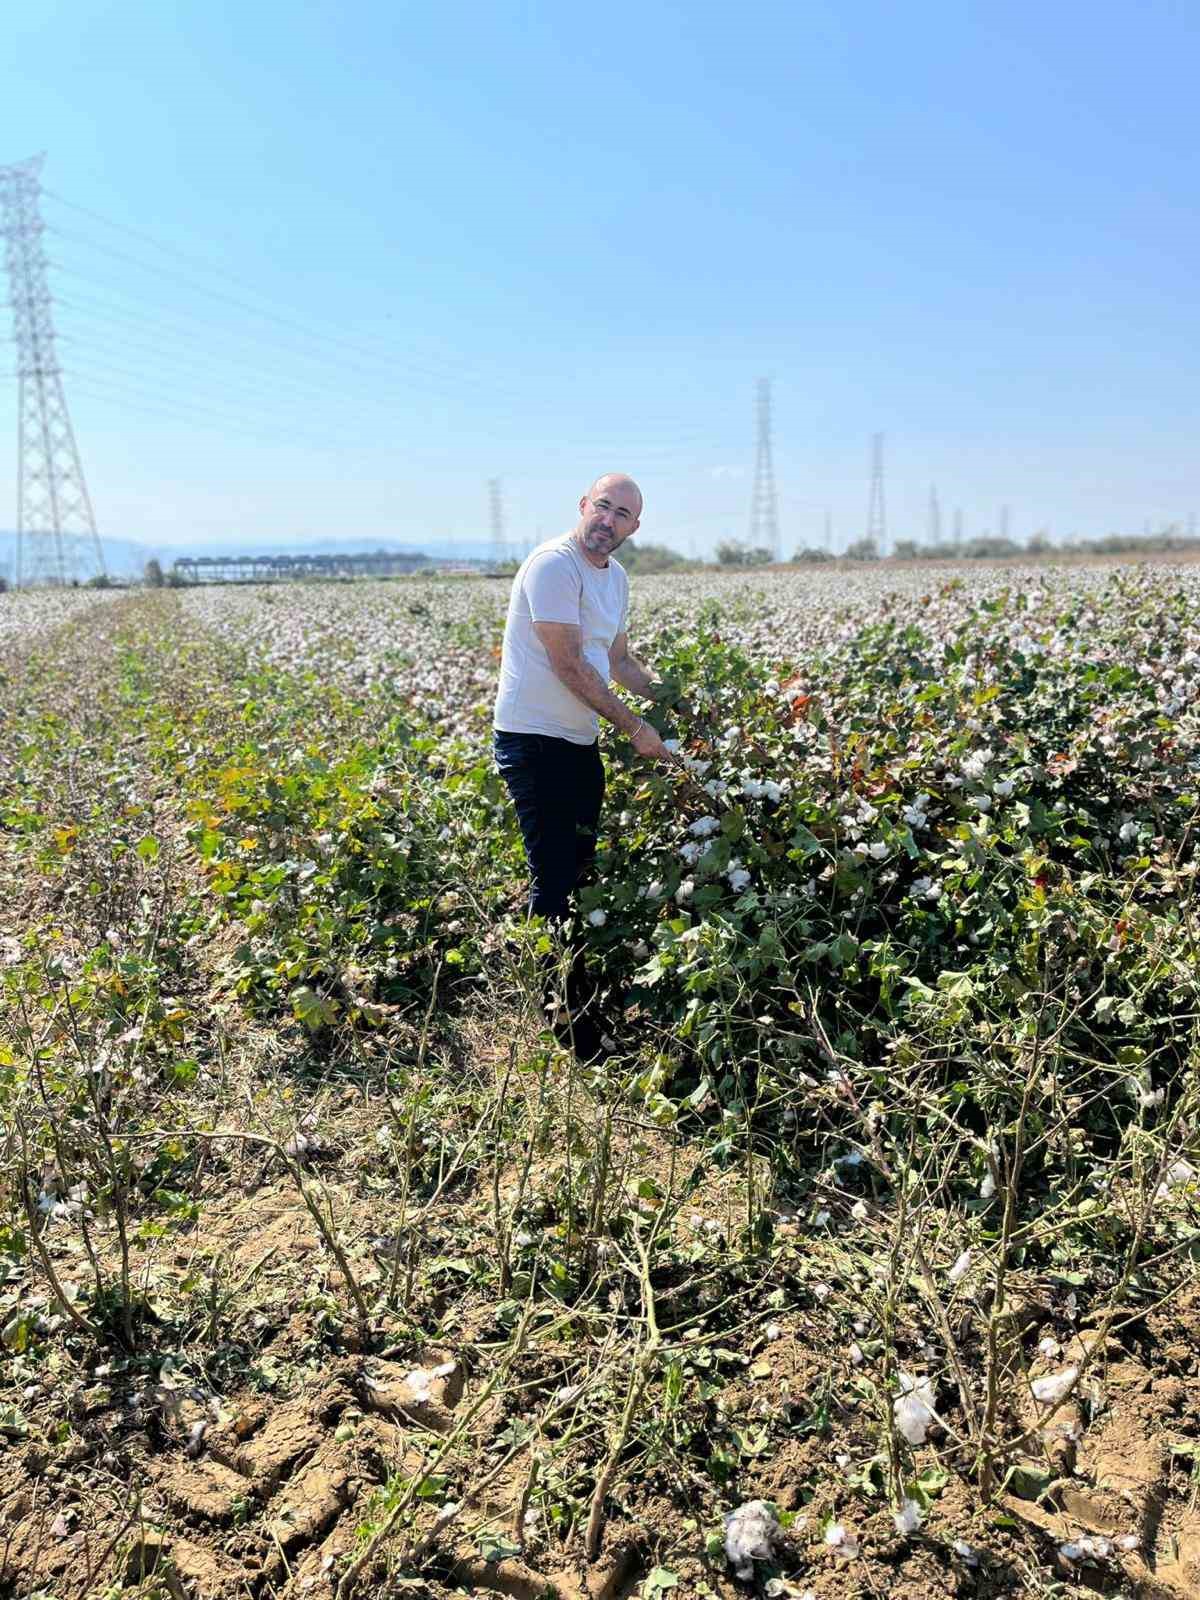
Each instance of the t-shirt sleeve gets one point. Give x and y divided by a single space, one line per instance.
553 590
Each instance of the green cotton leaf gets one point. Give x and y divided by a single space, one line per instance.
210 843
1028 1481
497 1547
148 848
658 1581
12 1423
311 1010
804 843
958 985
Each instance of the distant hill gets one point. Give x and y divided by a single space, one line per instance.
126 558
123 558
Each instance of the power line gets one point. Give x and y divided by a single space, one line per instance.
188 259
188 281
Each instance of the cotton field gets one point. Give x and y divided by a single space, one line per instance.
861 1261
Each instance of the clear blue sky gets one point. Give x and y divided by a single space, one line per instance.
384 252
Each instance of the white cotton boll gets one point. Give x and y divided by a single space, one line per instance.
773 1332
822 1291
1127 832
685 890
841 1540
821 1219
909 1518
1128 1541
1090 1546
912 1408
859 1211
880 850
1004 788
597 918
1053 1388
750 1535
983 802
1178 1172
691 852
988 1187
417 1382
965 1552
1048 1348
672 745
703 826
862 849
773 791
738 879
856 1355
656 890
960 1268
752 789
1149 1097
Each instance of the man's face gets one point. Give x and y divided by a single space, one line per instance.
608 514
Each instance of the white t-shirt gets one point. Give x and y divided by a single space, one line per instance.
556 583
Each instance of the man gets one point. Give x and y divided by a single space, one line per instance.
565 638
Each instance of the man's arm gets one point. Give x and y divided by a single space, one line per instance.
629 672
562 645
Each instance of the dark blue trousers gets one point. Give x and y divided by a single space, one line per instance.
557 788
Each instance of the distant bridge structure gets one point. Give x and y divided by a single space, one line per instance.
285 569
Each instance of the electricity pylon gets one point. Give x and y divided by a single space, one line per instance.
57 541
876 509
499 548
764 503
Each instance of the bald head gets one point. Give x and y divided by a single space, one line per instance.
616 483
608 513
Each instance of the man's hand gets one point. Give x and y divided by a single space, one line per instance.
647 743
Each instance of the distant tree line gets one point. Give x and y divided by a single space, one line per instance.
989 547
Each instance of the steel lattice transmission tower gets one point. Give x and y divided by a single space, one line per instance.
876 509
56 529
935 516
764 504
496 503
